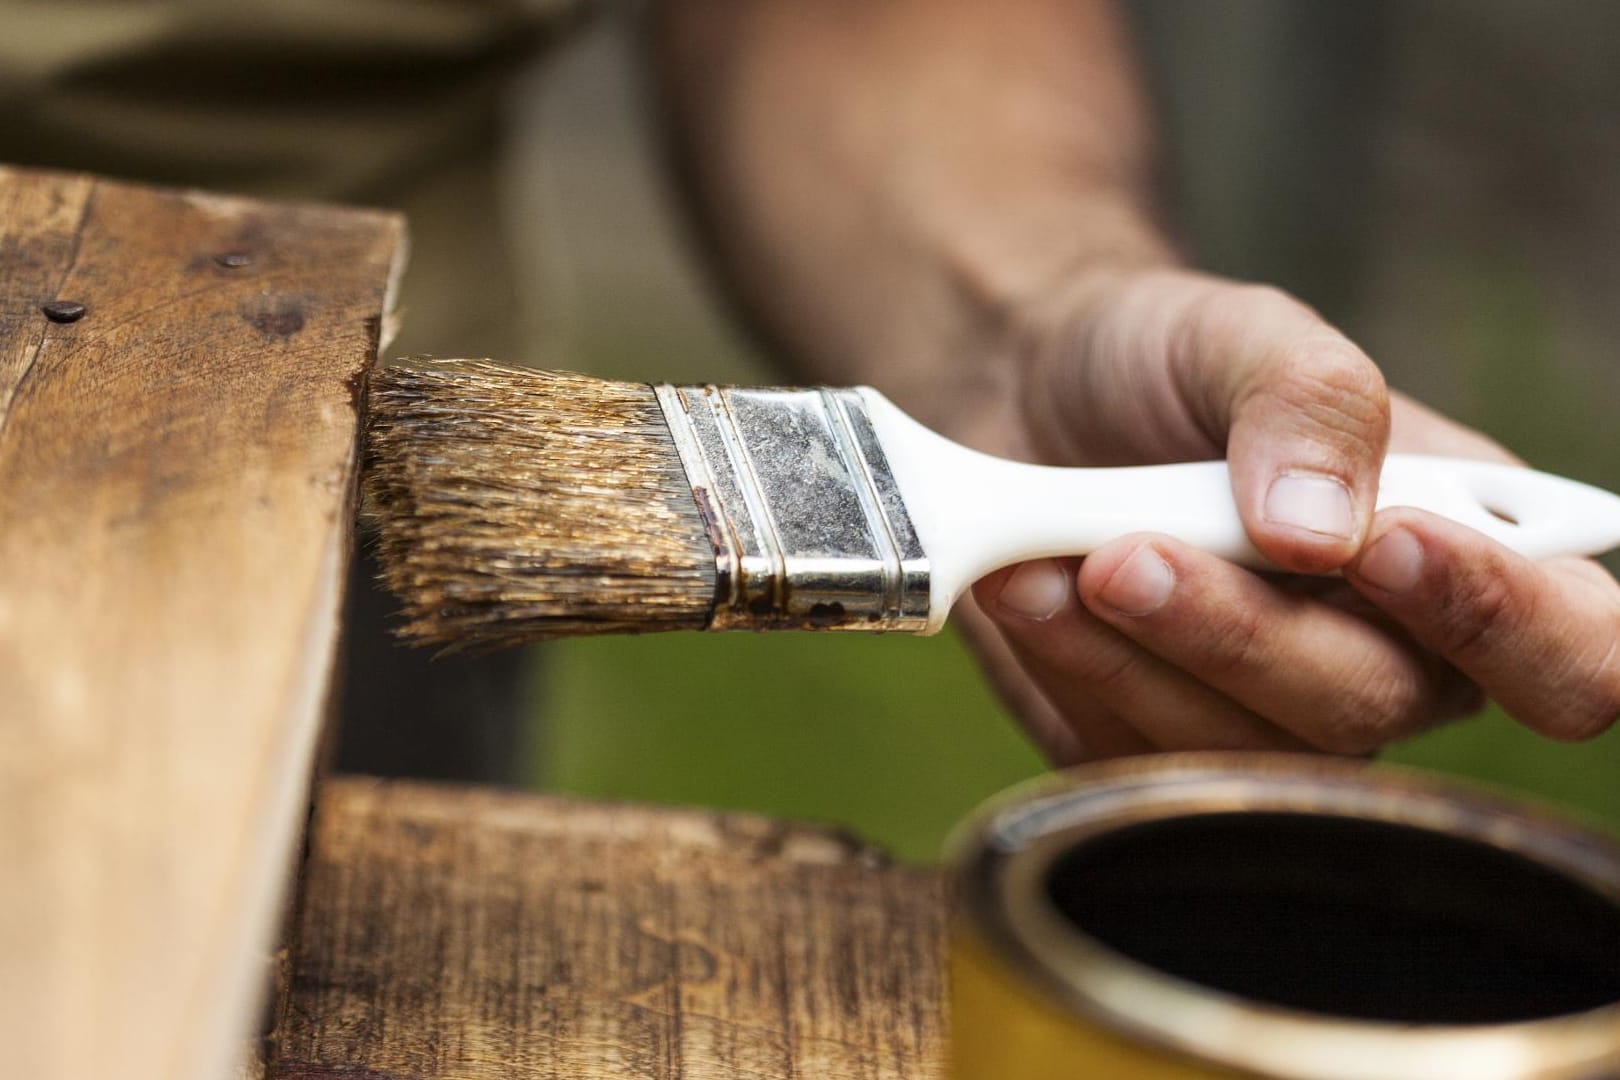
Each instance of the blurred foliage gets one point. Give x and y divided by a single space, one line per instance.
1580 778
896 737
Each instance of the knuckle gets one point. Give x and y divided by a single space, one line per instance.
1330 385
1332 365
1110 673
1379 710
1238 646
1481 611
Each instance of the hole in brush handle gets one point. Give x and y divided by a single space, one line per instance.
1536 514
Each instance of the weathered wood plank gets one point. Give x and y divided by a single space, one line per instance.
457 933
176 484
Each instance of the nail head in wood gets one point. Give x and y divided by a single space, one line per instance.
63 311
233 260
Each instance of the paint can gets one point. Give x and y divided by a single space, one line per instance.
1188 917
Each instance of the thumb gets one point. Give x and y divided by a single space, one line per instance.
1306 416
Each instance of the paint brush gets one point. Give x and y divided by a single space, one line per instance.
516 504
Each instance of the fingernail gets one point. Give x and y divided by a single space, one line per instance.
1037 590
1140 585
1313 502
1394 562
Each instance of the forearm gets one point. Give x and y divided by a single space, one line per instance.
889 186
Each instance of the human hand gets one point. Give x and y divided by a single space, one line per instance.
896 197
1151 645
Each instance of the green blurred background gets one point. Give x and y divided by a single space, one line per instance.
1435 177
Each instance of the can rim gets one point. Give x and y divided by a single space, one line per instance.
1006 851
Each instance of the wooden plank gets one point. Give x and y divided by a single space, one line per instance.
461 933
176 484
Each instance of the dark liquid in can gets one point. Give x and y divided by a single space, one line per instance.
1350 918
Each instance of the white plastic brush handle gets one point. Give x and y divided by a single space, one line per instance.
975 513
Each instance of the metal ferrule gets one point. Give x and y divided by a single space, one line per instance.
808 526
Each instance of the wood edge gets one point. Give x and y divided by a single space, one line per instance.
264 882
744 834
276 996
391 220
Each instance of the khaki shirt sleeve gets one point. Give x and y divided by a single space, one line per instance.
382 102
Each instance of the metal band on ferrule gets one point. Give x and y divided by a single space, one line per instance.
808 526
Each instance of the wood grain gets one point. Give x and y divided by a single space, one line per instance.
176 483
460 933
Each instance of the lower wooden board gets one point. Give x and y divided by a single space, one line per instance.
456 934
179 376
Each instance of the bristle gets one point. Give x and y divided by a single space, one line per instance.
514 504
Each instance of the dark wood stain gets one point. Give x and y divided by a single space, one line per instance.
275 315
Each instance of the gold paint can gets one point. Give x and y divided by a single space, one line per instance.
1201 916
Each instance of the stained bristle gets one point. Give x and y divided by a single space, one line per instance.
514 504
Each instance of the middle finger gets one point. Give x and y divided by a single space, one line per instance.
1336 681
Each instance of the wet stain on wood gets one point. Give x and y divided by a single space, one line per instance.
275 315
